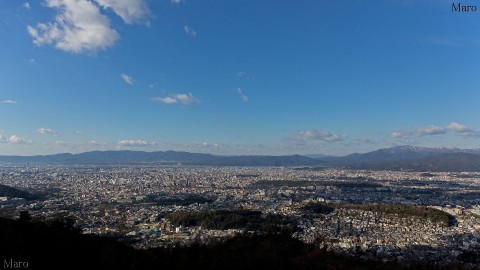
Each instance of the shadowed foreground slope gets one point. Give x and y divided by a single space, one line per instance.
57 245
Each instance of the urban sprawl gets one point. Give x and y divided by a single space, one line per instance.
133 203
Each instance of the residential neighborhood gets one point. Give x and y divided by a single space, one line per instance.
134 202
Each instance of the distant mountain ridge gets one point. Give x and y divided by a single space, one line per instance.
446 162
403 153
185 158
295 160
395 158
106 157
412 158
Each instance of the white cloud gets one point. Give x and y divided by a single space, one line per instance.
430 130
165 100
195 146
78 132
189 31
246 75
131 11
398 134
8 101
18 140
26 5
463 130
458 127
135 143
48 131
319 135
78 27
453 127
184 99
127 79
311 139
176 2
244 97
80 144
95 143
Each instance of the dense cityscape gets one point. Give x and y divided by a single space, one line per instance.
179 134
142 205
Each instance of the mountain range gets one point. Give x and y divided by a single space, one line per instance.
412 158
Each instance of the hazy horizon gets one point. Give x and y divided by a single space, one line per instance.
313 155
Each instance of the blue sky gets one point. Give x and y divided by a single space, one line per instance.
237 77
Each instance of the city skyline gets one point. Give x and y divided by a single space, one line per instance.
236 77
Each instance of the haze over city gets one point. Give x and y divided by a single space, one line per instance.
236 77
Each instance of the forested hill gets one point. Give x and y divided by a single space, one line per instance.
57 245
6 191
